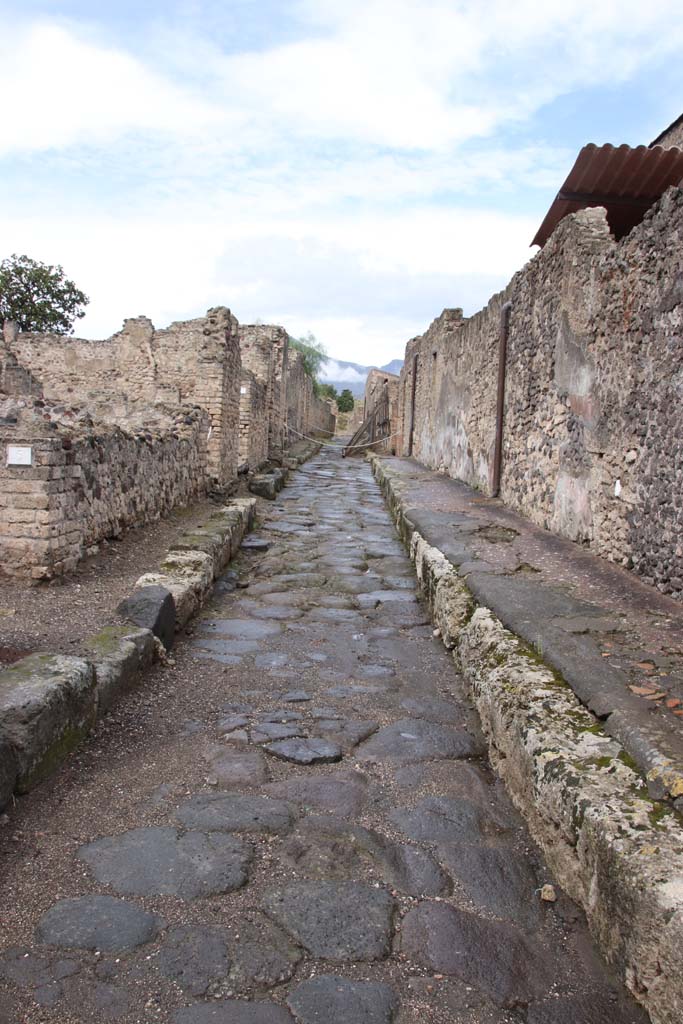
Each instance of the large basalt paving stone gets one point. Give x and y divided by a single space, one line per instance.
233 1011
238 768
282 715
336 1000
346 732
441 819
328 857
235 812
241 629
97 922
345 797
305 751
434 709
335 920
497 878
161 861
413 739
196 957
92 999
493 956
42 974
266 731
263 956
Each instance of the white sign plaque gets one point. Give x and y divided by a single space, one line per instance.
19 455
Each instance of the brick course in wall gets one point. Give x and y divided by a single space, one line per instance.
265 352
253 440
593 434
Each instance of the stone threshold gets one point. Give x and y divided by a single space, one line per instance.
614 848
49 703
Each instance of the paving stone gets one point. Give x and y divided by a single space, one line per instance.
493 956
296 696
264 955
434 709
97 922
440 819
412 739
305 751
242 629
347 732
325 712
264 732
195 957
345 797
232 722
222 659
225 646
271 659
235 812
496 878
280 715
277 612
233 1011
22 967
341 1001
164 862
339 921
255 544
101 1000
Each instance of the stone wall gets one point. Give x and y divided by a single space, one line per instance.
193 362
254 422
382 400
672 136
89 481
264 349
593 432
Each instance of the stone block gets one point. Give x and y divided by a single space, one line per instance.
264 485
152 608
47 704
119 655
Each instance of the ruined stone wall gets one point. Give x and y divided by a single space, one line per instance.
382 399
87 482
307 414
593 431
254 436
264 349
195 362
321 417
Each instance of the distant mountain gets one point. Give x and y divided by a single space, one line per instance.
343 374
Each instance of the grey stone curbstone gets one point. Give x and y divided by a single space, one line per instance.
151 608
48 704
190 567
617 852
119 656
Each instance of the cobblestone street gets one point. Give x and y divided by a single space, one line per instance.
294 821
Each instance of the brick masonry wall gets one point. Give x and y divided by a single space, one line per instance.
264 349
253 440
593 435
194 361
378 385
81 489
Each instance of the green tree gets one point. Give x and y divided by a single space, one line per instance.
345 402
313 353
327 391
39 297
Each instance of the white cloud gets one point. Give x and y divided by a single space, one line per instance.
65 90
331 370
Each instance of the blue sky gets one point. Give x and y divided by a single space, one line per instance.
345 168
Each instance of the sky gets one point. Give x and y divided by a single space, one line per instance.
345 168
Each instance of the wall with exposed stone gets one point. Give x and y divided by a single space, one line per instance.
88 481
254 422
193 362
672 136
381 400
264 349
593 432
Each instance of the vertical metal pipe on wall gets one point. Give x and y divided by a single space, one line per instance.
500 398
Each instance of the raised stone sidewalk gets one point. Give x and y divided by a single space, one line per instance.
548 639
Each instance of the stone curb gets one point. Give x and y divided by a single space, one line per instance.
49 703
616 851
